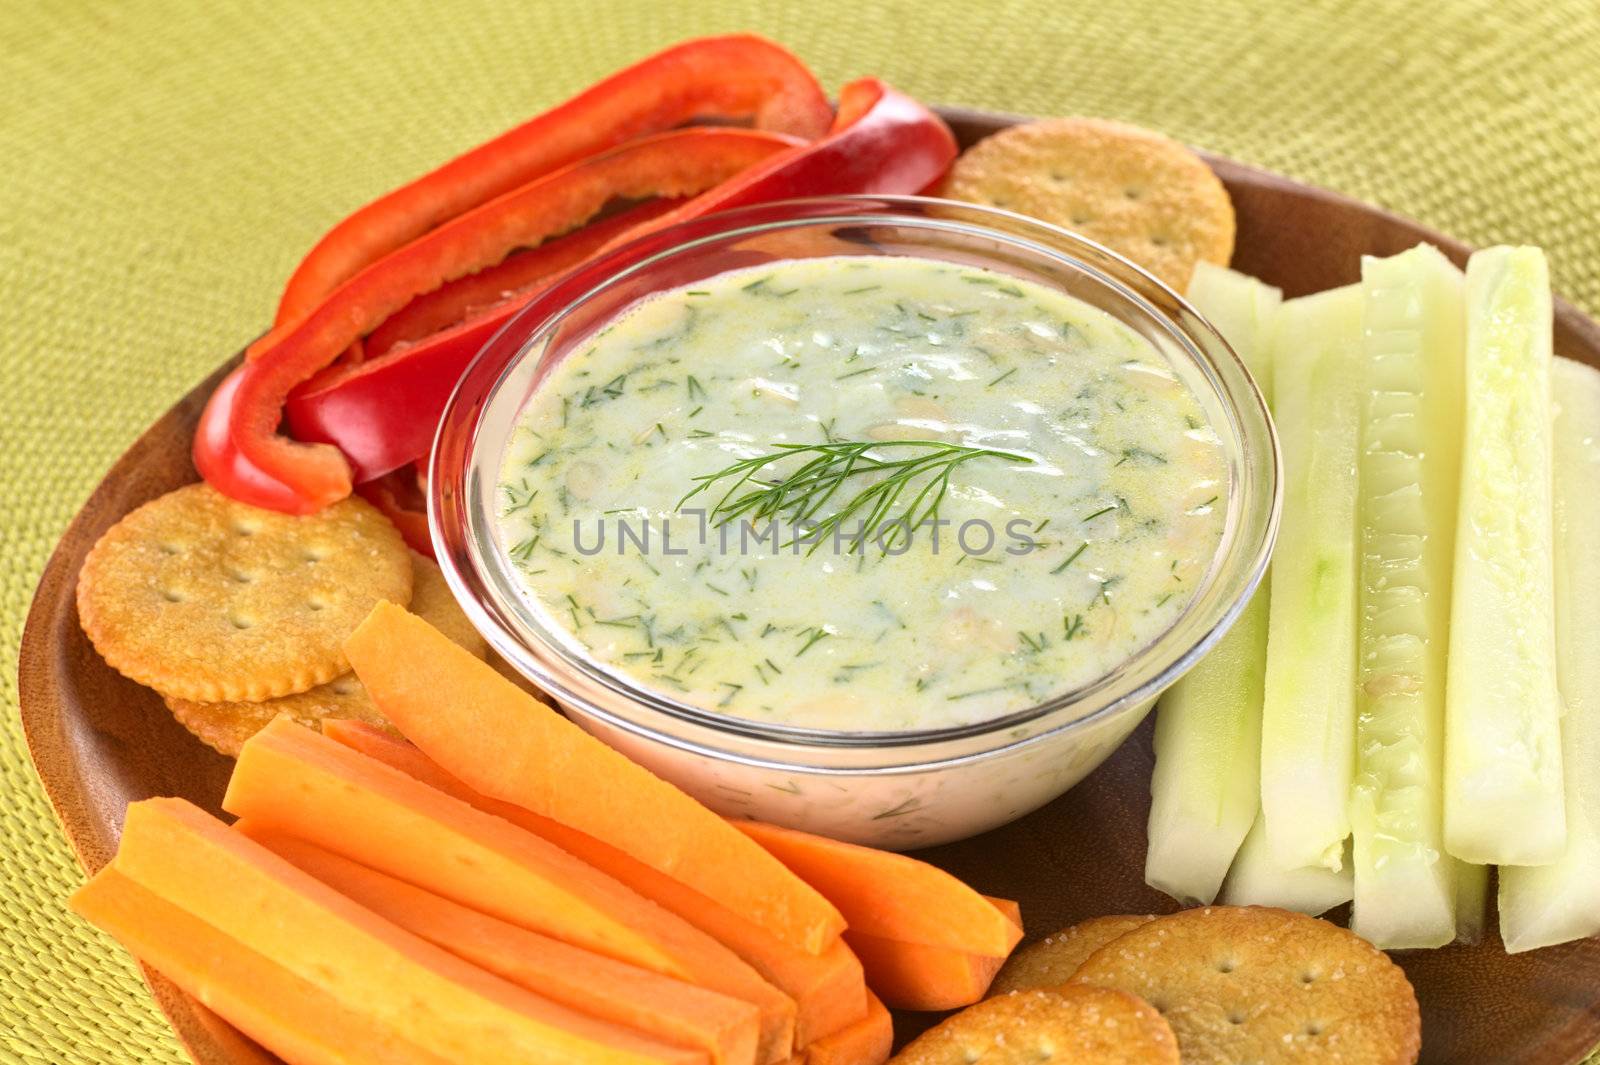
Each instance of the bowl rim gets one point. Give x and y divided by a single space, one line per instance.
459 554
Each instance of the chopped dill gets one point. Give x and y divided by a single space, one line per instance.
1071 558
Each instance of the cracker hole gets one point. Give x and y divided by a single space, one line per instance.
1158 241
1058 177
314 554
1226 965
1081 220
1308 978
1235 1017
169 549
1313 1029
241 577
241 623
316 604
1132 193
171 596
244 529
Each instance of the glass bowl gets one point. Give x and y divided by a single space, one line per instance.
890 789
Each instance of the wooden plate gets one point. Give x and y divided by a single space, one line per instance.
100 741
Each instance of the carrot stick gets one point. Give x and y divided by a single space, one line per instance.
505 744
656 1006
913 976
293 780
1009 909
291 1017
826 988
890 895
866 1042
445 1005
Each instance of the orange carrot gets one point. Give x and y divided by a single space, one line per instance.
657 1006
910 976
827 988
913 976
297 1021
891 895
1011 911
507 745
443 1004
303 784
866 1042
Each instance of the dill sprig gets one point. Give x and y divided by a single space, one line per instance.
925 468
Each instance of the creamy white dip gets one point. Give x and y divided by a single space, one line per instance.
1051 562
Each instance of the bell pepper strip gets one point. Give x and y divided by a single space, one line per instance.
220 463
882 142
400 496
729 78
470 296
679 163
383 414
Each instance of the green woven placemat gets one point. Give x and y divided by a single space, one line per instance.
162 168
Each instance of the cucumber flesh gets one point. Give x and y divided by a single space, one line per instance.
1256 880
1205 788
1504 802
1405 883
1554 903
1241 308
1308 712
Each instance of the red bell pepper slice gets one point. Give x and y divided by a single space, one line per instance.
400 496
383 414
224 468
882 142
668 164
722 78
470 296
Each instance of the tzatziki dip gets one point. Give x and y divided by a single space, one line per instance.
862 493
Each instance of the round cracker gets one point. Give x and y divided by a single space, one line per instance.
205 598
434 602
225 726
1144 196
1251 983
1052 960
1076 1024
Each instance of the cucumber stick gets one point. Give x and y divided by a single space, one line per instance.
1503 796
1405 883
1205 788
1241 308
1256 880
1308 712
1554 903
